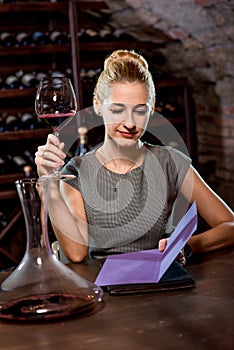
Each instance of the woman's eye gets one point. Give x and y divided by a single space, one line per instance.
116 111
141 112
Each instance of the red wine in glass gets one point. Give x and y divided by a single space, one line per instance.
54 120
56 104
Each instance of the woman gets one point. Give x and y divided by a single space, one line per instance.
124 191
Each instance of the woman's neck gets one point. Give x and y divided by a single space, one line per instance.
121 159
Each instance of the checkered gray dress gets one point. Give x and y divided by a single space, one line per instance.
128 212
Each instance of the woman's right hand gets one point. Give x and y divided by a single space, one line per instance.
49 156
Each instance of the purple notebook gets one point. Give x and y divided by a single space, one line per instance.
148 266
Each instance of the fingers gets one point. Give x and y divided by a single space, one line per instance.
162 244
181 258
50 155
52 139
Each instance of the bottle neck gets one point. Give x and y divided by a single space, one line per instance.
83 148
82 131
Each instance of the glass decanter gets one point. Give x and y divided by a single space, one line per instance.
41 287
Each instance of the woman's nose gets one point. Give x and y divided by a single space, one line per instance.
129 122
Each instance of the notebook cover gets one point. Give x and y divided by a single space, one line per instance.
175 278
147 266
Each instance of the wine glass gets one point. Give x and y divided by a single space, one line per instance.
55 104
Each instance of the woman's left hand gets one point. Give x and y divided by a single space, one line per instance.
180 257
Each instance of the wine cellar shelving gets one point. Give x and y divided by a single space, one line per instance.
79 57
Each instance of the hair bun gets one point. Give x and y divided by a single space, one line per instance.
125 55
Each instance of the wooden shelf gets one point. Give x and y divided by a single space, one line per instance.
35 6
10 179
106 46
17 93
33 50
61 6
24 134
10 194
94 5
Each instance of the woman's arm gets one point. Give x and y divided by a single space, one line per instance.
75 247
213 210
66 207
68 218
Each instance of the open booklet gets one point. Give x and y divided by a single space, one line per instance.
150 266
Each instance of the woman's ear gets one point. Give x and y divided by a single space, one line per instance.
152 110
97 106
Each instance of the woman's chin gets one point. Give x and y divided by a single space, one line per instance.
125 143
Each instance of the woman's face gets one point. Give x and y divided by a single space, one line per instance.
126 112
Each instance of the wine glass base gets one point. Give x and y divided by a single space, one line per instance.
58 176
62 176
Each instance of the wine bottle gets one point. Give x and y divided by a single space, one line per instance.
31 165
29 80
12 123
58 38
29 159
24 163
3 167
24 39
28 121
12 82
2 81
41 124
2 124
68 73
82 147
40 38
89 35
106 34
19 163
57 73
122 36
6 166
3 221
27 171
40 75
88 76
8 40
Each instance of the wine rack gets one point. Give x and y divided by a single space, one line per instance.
83 59
14 18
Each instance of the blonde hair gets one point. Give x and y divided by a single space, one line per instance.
124 66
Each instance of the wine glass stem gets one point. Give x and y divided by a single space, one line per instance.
56 171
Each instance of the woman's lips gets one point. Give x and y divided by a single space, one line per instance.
127 135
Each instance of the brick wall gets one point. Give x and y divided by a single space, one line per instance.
203 53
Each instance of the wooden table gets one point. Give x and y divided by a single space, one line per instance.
201 318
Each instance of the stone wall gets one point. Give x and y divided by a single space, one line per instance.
202 50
